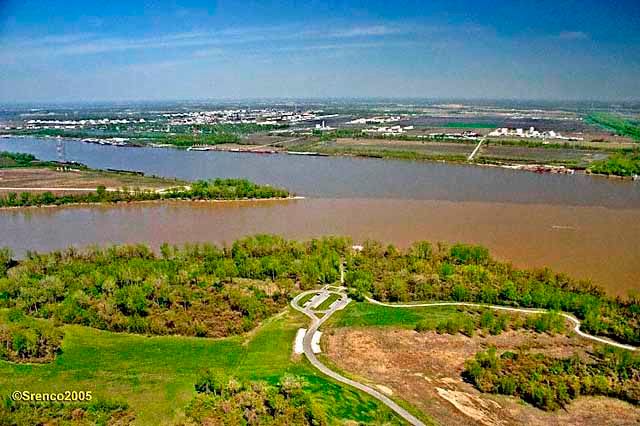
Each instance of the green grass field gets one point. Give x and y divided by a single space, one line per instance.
304 299
328 302
616 123
362 314
155 375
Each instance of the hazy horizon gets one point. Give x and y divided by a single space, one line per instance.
225 51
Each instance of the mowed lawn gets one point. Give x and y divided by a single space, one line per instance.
155 375
328 302
363 314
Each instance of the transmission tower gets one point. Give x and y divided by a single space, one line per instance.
61 151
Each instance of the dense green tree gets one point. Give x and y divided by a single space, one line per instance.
551 383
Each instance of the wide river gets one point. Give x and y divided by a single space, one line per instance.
586 226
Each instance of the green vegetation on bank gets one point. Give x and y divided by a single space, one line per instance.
616 123
125 287
218 189
468 274
198 290
16 159
624 163
551 383
202 290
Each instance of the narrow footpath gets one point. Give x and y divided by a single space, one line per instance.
308 351
574 320
316 322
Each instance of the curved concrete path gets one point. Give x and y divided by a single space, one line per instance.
317 322
574 320
306 345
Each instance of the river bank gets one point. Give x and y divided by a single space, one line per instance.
143 202
588 242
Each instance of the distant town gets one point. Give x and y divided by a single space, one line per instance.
484 134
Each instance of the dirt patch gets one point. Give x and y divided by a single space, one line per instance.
480 410
44 177
425 370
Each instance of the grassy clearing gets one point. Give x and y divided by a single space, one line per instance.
362 314
328 302
155 375
616 123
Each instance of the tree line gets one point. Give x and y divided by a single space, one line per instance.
228 290
469 321
624 163
218 189
467 273
16 159
100 412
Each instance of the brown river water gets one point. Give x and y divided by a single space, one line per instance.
587 227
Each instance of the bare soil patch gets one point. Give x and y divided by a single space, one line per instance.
425 370
44 177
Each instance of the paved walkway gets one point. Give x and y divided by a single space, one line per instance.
344 301
574 320
308 351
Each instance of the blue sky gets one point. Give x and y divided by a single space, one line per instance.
153 50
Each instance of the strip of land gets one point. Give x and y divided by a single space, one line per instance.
26 181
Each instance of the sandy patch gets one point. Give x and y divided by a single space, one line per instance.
425 370
385 390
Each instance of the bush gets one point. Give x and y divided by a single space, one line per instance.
463 254
425 325
28 340
550 383
100 412
237 402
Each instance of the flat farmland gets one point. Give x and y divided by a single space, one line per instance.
48 177
539 154
422 147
